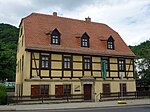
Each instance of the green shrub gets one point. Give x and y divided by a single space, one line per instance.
3 95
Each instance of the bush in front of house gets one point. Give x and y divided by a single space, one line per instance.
3 95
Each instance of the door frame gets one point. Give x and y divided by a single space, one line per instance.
91 88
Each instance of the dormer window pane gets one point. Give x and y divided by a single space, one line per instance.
55 37
110 43
85 40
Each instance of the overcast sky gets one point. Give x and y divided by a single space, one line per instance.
130 18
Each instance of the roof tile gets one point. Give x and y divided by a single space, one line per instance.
38 26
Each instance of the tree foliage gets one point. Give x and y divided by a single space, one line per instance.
8 48
142 52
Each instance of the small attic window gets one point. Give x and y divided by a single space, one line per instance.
55 37
85 40
110 43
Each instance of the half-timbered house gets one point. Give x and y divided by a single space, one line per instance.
58 55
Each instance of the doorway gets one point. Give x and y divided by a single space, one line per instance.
87 91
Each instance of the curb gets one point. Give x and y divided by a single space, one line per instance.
119 105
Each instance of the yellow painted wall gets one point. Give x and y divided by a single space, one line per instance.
128 61
77 65
87 73
129 68
55 73
44 72
77 73
35 63
96 59
131 86
97 74
77 58
56 65
113 74
115 86
27 65
130 74
113 67
56 57
67 73
96 66
113 60
20 53
98 86
27 86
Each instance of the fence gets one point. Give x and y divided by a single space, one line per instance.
45 98
125 95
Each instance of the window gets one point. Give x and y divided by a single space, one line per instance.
20 65
21 30
22 61
67 89
110 43
87 63
22 39
37 90
85 40
62 90
44 89
44 61
121 64
106 89
55 37
67 63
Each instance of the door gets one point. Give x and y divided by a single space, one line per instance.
35 90
59 90
106 89
87 91
123 89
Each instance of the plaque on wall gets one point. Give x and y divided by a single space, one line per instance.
77 88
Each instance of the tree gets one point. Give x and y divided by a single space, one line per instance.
145 69
142 53
8 48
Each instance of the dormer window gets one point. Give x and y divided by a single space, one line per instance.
85 40
55 37
110 43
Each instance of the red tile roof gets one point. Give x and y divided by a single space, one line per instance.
36 27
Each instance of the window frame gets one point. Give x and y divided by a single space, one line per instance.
44 90
45 61
67 89
121 65
110 43
87 63
67 64
55 37
85 40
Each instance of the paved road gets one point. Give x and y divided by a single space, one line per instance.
144 108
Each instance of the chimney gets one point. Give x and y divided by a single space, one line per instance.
54 13
88 19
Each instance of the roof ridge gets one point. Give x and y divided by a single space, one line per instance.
67 18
